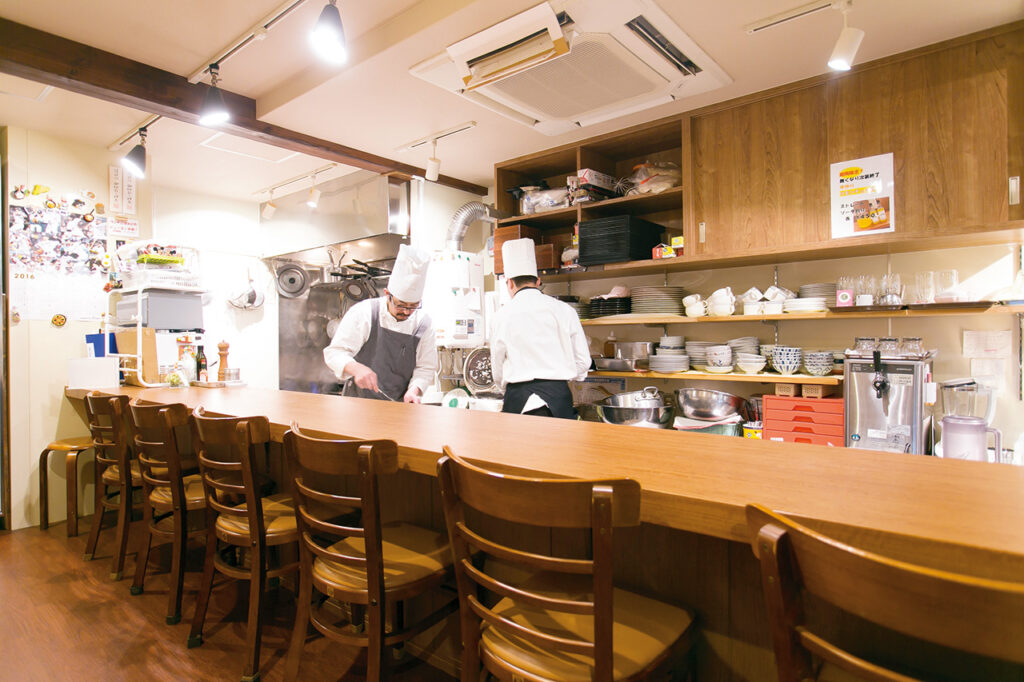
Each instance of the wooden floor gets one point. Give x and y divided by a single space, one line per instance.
62 618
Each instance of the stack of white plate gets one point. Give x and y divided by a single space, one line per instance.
744 344
826 290
698 351
667 364
658 300
805 305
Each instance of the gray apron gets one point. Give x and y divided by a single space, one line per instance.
390 354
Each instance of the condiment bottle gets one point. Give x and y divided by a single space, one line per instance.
201 371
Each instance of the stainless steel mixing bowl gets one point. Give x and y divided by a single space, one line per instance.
706 404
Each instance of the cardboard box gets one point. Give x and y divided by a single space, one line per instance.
127 343
677 242
507 234
592 179
546 258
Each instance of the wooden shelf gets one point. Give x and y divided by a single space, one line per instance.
669 200
763 378
611 320
1006 232
560 216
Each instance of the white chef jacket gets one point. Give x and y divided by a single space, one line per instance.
354 330
538 337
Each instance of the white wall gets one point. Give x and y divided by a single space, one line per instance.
38 351
230 239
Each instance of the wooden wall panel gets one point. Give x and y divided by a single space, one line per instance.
944 118
760 175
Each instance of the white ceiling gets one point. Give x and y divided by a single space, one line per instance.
374 104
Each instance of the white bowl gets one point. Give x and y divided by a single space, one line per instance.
719 370
752 367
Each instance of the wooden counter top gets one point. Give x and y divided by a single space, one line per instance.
694 482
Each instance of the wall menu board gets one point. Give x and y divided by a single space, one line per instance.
862 196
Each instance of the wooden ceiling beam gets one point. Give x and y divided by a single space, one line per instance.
29 53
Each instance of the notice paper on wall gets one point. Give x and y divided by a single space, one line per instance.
988 344
862 196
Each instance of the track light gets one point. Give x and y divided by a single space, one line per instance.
269 208
433 164
847 44
135 160
328 35
214 111
313 200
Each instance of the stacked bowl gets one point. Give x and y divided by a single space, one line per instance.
751 363
744 344
786 359
818 363
670 356
719 359
698 351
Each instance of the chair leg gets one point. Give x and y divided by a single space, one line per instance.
142 559
470 627
376 661
124 520
71 467
195 636
292 663
254 628
97 518
44 492
179 545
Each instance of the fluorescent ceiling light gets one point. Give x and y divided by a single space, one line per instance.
135 160
328 36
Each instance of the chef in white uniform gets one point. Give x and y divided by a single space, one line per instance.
384 347
538 344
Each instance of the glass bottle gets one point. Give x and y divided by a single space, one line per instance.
201 370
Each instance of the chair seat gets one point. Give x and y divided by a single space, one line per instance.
71 444
195 497
112 474
278 517
410 553
643 629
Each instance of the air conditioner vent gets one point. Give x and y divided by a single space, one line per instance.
597 73
653 37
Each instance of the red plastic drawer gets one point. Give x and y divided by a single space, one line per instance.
832 441
804 417
815 405
803 427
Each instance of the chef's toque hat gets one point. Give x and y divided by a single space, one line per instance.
409 275
519 258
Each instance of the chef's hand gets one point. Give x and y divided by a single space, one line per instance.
364 377
412 396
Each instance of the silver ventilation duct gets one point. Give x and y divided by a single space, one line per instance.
466 215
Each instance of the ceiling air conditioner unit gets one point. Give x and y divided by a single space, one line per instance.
568 64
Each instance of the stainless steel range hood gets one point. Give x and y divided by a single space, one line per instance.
363 215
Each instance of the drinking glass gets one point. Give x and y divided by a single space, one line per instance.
947 280
925 282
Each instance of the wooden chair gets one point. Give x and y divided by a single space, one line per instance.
169 493
975 615
374 566
565 620
72 448
117 472
239 517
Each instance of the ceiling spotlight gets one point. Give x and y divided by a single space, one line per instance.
135 160
313 200
214 111
847 44
433 164
269 208
328 36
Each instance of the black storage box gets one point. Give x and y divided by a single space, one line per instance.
617 238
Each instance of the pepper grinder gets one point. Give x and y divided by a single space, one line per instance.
222 366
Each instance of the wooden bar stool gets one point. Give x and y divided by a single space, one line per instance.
71 447
117 473
168 493
239 517
373 565
975 615
564 619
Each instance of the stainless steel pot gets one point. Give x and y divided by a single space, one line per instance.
648 397
646 417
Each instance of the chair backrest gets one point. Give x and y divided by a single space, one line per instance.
107 417
597 505
157 429
320 470
975 615
225 448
